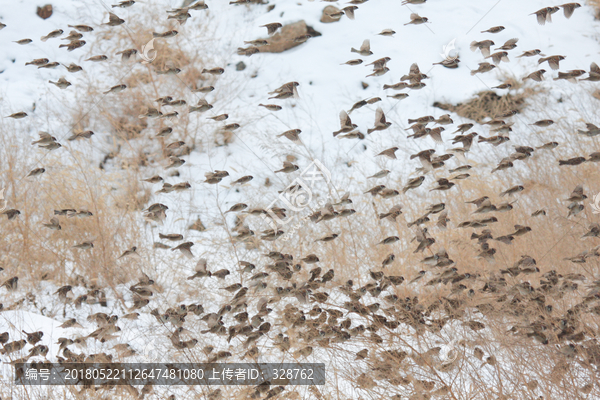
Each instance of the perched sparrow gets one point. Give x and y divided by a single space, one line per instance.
365 48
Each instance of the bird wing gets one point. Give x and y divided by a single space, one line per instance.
414 69
366 45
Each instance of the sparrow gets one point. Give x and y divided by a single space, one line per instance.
365 48
594 74
51 65
272 27
13 346
38 62
51 35
53 224
498 57
169 71
413 183
17 115
574 208
399 96
381 174
243 180
536 76
415 19
494 29
45 138
75 44
84 246
165 35
114 20
220 117
388 260
292 134
553 61
390 153
387 32
116 89
124 4
572 161
346 124
483 67
72 68
569 8
530 53
237 207
81 135
545 14
97 58
380 122
185 249
36 172
594 230
23 41
592 130
509 44
443 184
271 107
512 190
288 167
349 11
73 35
131 251
483 45
577 194
202 106
82 28
126 54
33 337
10 284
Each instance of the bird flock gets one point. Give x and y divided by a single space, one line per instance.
283 302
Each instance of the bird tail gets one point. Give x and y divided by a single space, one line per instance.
474 45
44 38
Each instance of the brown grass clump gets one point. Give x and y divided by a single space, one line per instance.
488 104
